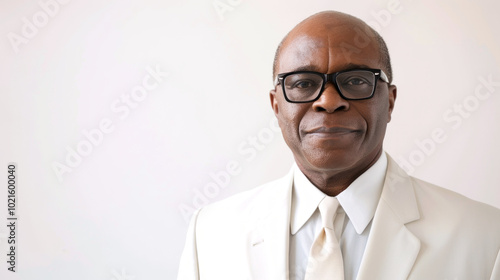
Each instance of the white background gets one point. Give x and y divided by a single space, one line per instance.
121 212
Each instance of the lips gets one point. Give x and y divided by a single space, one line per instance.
332 130
335 131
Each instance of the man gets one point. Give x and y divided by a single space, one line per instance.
345 210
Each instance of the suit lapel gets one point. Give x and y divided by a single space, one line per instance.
268 240
392 249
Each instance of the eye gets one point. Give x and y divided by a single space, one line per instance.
304 84
355 82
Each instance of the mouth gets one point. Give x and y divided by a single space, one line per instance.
331 132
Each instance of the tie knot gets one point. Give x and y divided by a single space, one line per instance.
328 209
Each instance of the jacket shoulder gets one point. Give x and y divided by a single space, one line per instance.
446 209
246 206
446 199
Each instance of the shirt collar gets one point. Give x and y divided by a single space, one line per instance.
359 200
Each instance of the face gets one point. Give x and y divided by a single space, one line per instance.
331 134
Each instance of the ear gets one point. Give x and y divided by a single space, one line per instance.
274 101
393 90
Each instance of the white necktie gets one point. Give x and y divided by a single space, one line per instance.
325 259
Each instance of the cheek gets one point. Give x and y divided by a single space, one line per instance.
376 120
290 117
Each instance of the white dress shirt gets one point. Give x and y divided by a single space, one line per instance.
359 202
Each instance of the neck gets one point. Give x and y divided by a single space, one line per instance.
333 182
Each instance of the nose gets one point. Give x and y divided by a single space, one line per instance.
330 101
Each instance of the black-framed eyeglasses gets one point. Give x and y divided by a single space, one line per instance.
307 86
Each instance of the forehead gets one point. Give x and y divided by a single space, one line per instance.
329 49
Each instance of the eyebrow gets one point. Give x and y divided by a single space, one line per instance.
348 66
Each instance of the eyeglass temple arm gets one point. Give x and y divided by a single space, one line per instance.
383 76
276 81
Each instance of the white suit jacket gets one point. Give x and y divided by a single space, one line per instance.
419 231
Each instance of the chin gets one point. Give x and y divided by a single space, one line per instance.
333 160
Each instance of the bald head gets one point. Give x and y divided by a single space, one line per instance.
321 24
